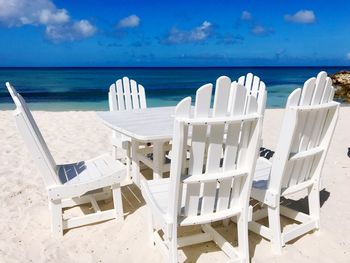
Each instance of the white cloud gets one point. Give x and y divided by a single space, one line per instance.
70 32
48 17
260 30
59 26
129 21
197 34
301 17
246 16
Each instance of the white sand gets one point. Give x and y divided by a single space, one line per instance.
25 234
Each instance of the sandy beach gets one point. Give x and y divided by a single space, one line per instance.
25 234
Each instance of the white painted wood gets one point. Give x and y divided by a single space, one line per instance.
113 104
198 147
88 219
117 202
127 93
66 183
135 162
202 193
193 239
142 95
215 147
120 95
56 218
144 125
134 94
256 88
133 97
307 129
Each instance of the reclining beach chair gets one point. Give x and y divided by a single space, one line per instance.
73 184
216 185
307 129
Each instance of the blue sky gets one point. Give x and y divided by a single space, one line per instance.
174 33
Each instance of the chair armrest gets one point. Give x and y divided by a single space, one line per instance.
152 203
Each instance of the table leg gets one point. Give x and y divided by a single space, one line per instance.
158 159
135 171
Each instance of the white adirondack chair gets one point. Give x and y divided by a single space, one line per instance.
73 184
217 184
125 94
307 129
256 88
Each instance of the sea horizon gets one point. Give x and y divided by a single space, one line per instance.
62 88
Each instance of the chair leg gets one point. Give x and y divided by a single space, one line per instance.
56 218
242 231
115 152
314 204
275 228
128 161
117 201
135 163
173 258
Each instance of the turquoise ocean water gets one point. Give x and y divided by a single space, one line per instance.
61 89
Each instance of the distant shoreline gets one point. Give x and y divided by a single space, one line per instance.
165 67
86 88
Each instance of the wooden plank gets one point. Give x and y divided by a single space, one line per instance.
255 86
142 96
127 93
120 95
112 98
248 83
241 80
193 239
313 123
134 94
88 219
298 230
215 145
232 142
295 168
198 145
285 143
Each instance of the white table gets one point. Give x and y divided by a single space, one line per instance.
153 125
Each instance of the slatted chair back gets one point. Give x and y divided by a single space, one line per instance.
307 129
126 94
256 88
33 138
223 153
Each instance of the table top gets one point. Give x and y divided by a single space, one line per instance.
150 124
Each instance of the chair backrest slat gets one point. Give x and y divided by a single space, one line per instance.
120 95
113 103
142 96
304 131
134 94
215 142
212 145
126 94
256 88
34 139
198 147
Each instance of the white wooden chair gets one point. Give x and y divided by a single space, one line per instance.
307 129
125 94
256 88
73 184
218 181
